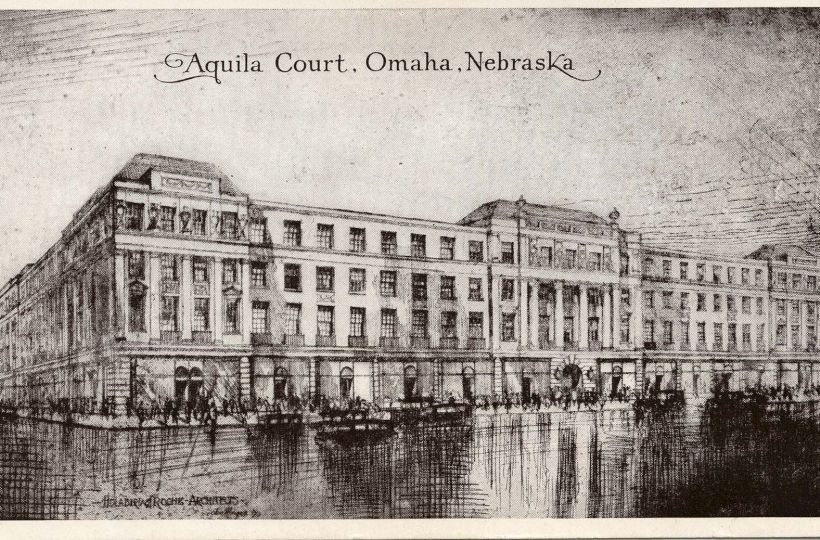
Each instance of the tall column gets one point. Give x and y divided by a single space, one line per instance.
788 324
583 316
533 309
245 318
216 298
186 300
154 297
804 325
559 314
637 317
606 318
119 297
616 316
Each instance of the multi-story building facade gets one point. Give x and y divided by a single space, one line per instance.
170 282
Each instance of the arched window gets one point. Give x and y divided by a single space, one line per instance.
346 383
410 382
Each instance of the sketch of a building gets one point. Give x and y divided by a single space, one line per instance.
170 281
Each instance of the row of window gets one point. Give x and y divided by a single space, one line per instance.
326 239
419 327
794 309
780 335
797 282
667 302
667 337
700 272
170 265
164 218
388 282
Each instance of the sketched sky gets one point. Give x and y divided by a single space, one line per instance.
702 128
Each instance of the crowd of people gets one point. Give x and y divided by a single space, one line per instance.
205 408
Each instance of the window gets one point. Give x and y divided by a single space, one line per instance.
448 288
357 277
136 265
667 332
811 283
758 276
230 271
387 282
595 261
168 268
795 336
507 289
448 248
797 281
761 331
475 289
684 301
649 331
782 279
418 245
136 308
667 268
476 325
324 236
732 331
746 305
795 311
701 333
293 233
684 333
570 257
293 277
781 308
448 324
625 297
324 321
476 250
648 299
202 314
133 216
259 231
357 239
357 321
648 266
730 303
716 303
259 317
625 329
166 218
684 270
700 271
324 278
419 285
667 299
200 222
389 243
716 271
780 334
730 274
418 327
811 336
507 252
718 336
232 308
388 323
293 319
744 276
508 327
759 302
259 274
747 335
200 269
230 225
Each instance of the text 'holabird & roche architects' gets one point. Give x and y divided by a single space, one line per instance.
170 281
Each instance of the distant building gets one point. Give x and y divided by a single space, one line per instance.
170 282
